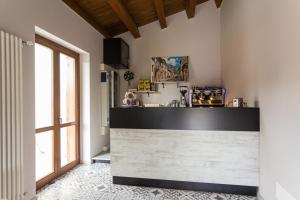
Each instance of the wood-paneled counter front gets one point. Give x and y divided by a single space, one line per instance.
208 149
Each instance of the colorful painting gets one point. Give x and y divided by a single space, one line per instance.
170 69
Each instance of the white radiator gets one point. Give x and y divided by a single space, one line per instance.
11 123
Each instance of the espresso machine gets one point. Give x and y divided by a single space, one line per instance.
208 96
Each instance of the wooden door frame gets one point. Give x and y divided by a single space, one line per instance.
57 49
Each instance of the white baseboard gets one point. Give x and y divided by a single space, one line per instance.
86 162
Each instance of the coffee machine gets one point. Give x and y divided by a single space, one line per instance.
208 96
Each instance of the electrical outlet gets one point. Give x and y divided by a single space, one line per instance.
282 194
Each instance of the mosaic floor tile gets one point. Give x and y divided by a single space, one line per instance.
94 182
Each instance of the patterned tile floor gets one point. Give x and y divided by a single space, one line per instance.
94 182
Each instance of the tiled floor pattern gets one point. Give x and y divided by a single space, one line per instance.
94 182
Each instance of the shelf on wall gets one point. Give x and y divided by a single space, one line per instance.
145 92
170 82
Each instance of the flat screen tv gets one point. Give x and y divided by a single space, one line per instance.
116 53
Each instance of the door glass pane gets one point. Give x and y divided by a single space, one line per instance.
43 86
67 145
43 154
67 88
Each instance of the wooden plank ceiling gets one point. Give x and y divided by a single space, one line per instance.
113 17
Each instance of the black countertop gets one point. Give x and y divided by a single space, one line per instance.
212 119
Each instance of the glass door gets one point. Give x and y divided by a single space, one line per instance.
67 118
57 110
44 119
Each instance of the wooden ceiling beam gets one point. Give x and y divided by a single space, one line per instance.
122 12
190 8
218 3
160 11
77 8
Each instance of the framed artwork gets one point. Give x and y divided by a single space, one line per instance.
170 69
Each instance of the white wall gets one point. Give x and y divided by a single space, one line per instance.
20 18
261 62
198 38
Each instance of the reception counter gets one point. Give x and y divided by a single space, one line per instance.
206 149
